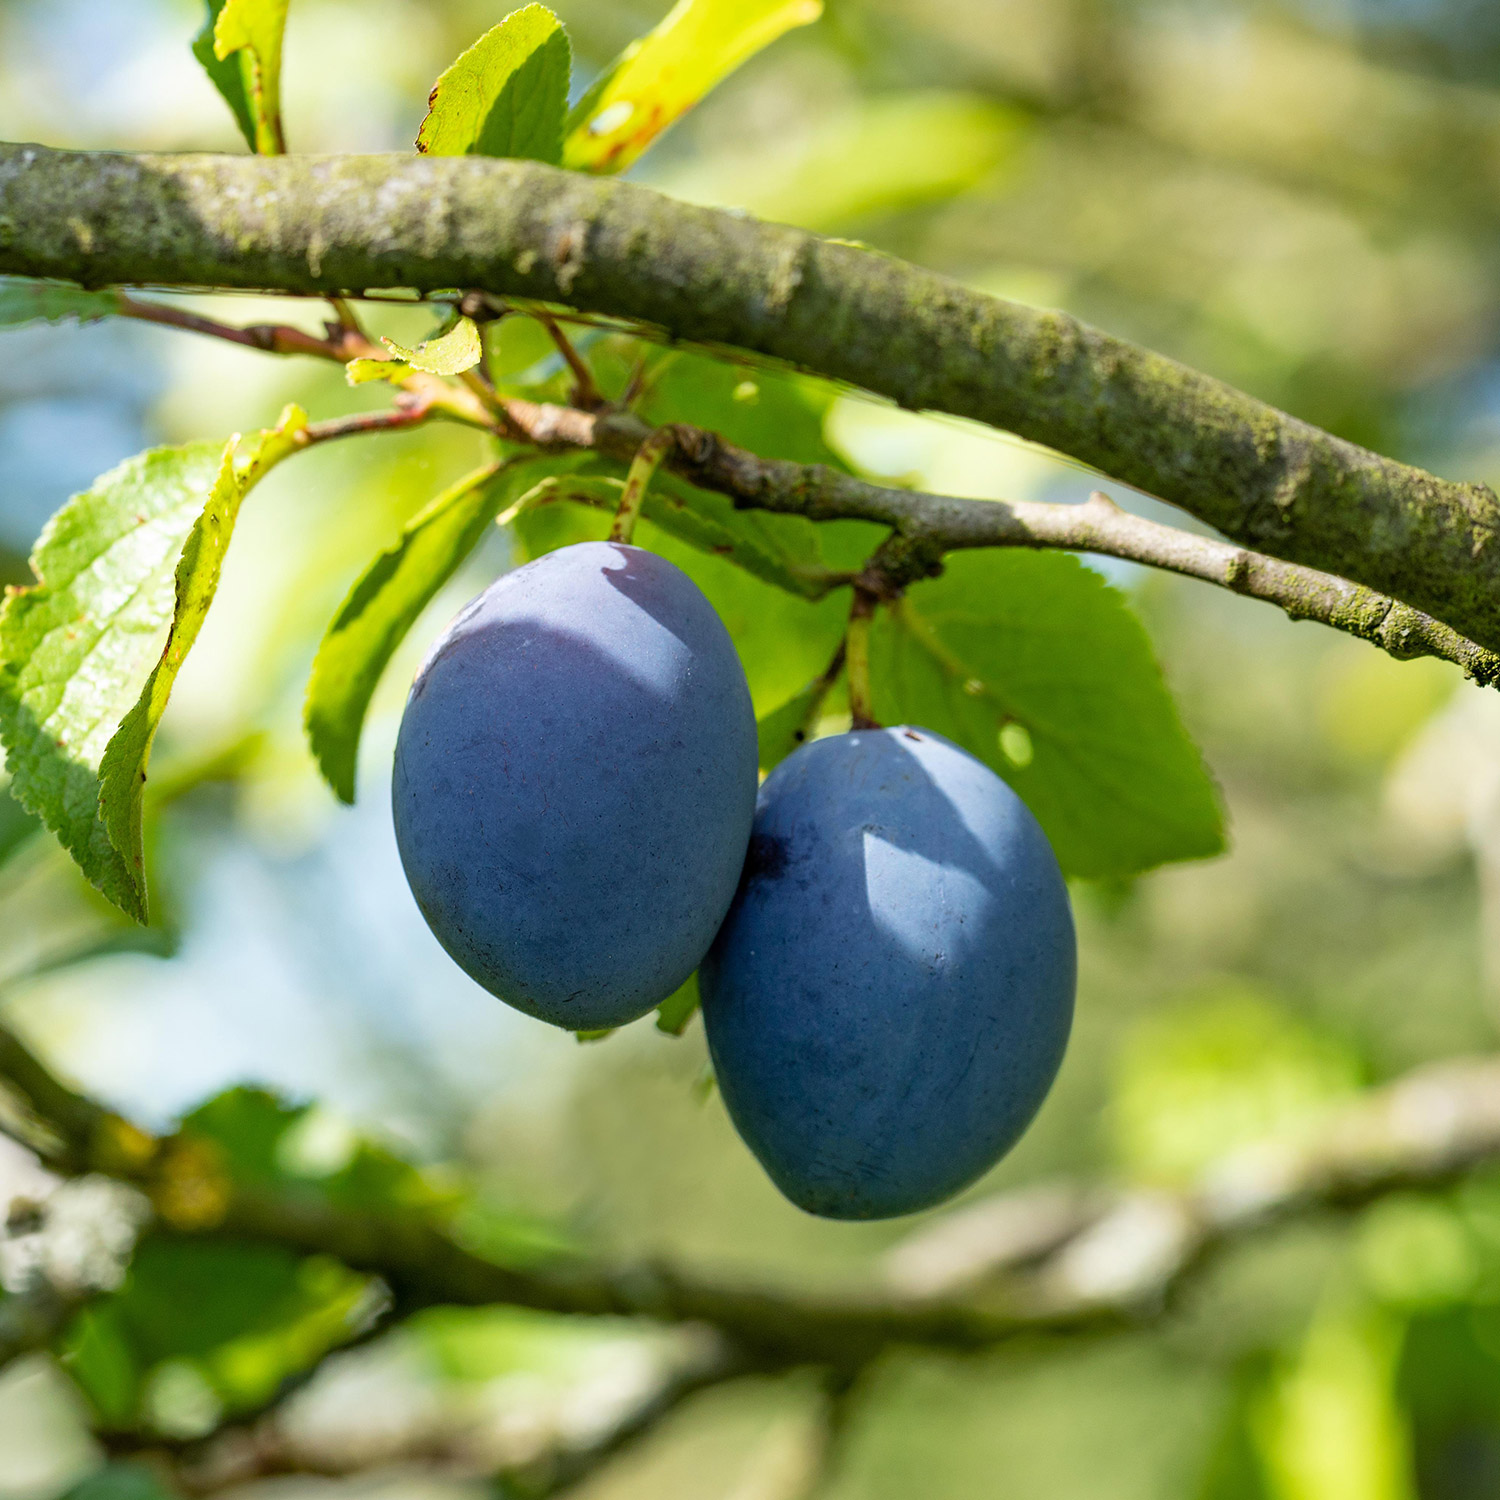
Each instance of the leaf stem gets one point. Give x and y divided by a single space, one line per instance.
643 466
586 392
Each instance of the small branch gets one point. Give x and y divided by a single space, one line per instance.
643 466
360 424
586 393
857 655
342 343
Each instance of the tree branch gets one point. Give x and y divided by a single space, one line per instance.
344 224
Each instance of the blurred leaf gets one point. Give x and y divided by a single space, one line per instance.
674 1013
76 647
246 1316
380 609
660 77
363 371
23 300
507 95
1034 664
257 27
451 352
119 1482
227 74
1225 1068
879 155
122 770
16 824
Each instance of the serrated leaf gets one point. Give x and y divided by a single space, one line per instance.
381 607
122 770
451 352
256 27
75 648
1036 665
362 371
507 95
23 300
226 74
660 77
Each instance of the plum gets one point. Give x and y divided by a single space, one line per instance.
889 998
575 783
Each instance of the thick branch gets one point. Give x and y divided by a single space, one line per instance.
333 224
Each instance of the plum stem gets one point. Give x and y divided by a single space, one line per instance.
857 658
643 466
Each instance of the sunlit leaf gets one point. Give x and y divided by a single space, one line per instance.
1033 663
660 77
76 648
363 371
457 349
122 770
227 74
784 729
23 300
674 1013
380 609
507 95
257 28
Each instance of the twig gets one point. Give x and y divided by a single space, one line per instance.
648 458
857 656
586 392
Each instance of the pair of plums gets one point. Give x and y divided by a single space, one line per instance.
883 939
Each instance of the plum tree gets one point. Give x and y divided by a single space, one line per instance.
575 783
890 996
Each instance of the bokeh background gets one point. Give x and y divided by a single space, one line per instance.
1302 198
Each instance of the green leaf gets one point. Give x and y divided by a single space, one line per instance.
451 352
660 77
226 74
78 648
363 371
122 770
787 728
1033 663
381 607
75 648
119 1482
256 27
16 824
23 300
674 1013
507 95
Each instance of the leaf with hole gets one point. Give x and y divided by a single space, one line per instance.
381 607
1036 665
660 77
507 95
450 352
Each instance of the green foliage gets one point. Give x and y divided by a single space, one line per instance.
221 1319
122 770
782 730
16 824
76 648
227 74
1034 664
674 1013
119 1482
507 95
23 300
381 607
660 77
255 27
450 352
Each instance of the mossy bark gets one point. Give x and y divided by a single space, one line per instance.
348 224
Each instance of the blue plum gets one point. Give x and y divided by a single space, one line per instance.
575 784
889 998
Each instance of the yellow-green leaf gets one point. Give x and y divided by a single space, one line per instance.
507 95
122 770
257 27
450 353
660 77
229 75
382 606
362 371
23 300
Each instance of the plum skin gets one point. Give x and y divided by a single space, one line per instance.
889 999
575 782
